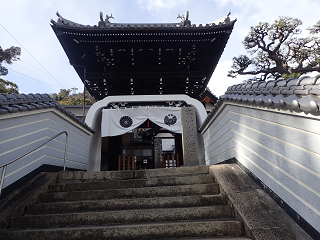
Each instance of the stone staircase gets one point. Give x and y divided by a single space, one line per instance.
177 203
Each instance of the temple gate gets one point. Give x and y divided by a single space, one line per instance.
148 65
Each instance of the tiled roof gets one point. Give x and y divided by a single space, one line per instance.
299 95
12 103
185 23
206 96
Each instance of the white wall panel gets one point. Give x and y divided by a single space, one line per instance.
280 147
21 132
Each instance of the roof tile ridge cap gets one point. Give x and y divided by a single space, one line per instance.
125 24
64 21
298 81
73 117
223 21
317 77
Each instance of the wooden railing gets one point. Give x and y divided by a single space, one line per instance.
126 162
4 166
170 160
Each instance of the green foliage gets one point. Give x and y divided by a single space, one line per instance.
277 51
64 98
63 95
291 75
315 29
8 87
75 101
7 56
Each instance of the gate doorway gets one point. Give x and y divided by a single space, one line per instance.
145 145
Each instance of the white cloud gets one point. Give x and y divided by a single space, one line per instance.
161 5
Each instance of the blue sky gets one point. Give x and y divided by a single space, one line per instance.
44 67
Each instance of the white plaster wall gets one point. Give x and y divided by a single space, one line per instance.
167 144
280 147
208 106
21 132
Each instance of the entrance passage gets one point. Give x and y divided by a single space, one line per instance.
146 147
145 134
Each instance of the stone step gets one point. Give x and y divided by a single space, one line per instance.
167 230
121 217
138 174
209 238
132 183
164 191
168 172
134 203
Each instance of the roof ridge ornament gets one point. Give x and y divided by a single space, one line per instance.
107 18
185 23
66 22
104 23
222 21
185 19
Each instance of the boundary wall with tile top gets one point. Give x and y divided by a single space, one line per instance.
275 136
23 128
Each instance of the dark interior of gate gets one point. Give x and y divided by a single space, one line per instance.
146 147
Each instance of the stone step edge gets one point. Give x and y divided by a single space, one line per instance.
131 188
130 183
137 203
217 238
160 215
203 228
162 191
124 189
135 174
105 179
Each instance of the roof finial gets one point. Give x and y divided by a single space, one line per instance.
185 19
107 18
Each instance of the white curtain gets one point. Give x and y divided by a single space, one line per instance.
119 121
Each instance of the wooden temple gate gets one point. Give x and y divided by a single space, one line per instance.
170 160
127 162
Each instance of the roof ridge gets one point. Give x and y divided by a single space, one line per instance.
295 94
106 24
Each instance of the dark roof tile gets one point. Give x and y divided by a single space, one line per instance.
299 95
12 103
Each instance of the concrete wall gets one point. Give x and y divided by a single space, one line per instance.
280 147
22 131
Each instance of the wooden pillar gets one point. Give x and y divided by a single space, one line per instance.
172 159
123 162
177 159
163 164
